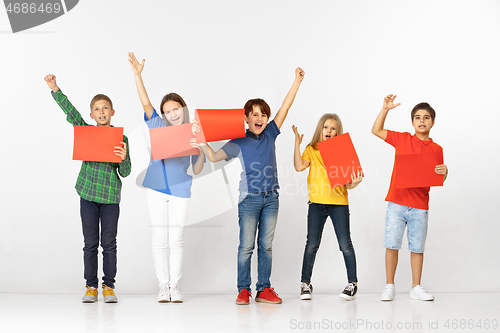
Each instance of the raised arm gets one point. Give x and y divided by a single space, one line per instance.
72 115
298 162
290 97
141 90
378 126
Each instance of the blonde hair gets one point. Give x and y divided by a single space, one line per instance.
318 133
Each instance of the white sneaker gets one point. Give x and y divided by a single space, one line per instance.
175 295
388 293
418 292
164 294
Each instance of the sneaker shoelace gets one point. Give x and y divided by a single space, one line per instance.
419 289
246 293
90 291
273 292
306 287
107 291
164 290
350 287
387 289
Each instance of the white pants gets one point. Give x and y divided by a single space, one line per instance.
168 217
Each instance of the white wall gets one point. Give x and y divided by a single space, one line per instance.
219 54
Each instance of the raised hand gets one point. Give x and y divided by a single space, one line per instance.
51 82
136 66
389 102
298 137
121 151
299 74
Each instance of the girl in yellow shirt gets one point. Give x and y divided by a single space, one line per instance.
325 201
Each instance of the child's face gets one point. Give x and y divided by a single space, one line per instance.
329 129
173 112
257 121
422 122
101 112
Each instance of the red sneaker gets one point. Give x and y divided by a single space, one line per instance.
268 295
243 297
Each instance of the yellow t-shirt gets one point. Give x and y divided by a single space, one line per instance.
318 185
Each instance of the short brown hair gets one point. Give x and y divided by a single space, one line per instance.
100 97
176 98
264 107
423 106
318 133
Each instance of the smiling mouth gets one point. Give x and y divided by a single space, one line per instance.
328 136
175 119
102 118
258 126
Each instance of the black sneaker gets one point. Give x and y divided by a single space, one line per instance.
306 290
349 292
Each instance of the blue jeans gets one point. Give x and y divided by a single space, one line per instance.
256 211
316 218
91 212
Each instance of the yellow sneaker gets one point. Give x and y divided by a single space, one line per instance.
90 295
109 294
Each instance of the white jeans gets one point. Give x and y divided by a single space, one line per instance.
168 217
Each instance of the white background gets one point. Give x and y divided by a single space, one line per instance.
219 54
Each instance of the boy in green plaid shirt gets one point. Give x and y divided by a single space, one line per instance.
99 187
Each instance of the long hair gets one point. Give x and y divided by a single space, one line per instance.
318 133
176 98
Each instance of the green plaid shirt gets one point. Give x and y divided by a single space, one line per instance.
97 181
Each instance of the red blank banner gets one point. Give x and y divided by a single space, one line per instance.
97 143
418 170
220 124
340 159
172 141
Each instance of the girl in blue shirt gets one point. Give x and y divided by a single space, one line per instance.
169 190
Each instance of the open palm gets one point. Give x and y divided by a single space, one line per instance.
136 66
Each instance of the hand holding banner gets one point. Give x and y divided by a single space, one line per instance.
220 124
172 141
418 170
340 159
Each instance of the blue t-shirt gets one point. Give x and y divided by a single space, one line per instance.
168 175
257 155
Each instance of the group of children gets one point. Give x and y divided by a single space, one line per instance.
169 191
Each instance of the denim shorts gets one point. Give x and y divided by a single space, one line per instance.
396 220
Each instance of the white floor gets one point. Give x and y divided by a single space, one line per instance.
450 312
